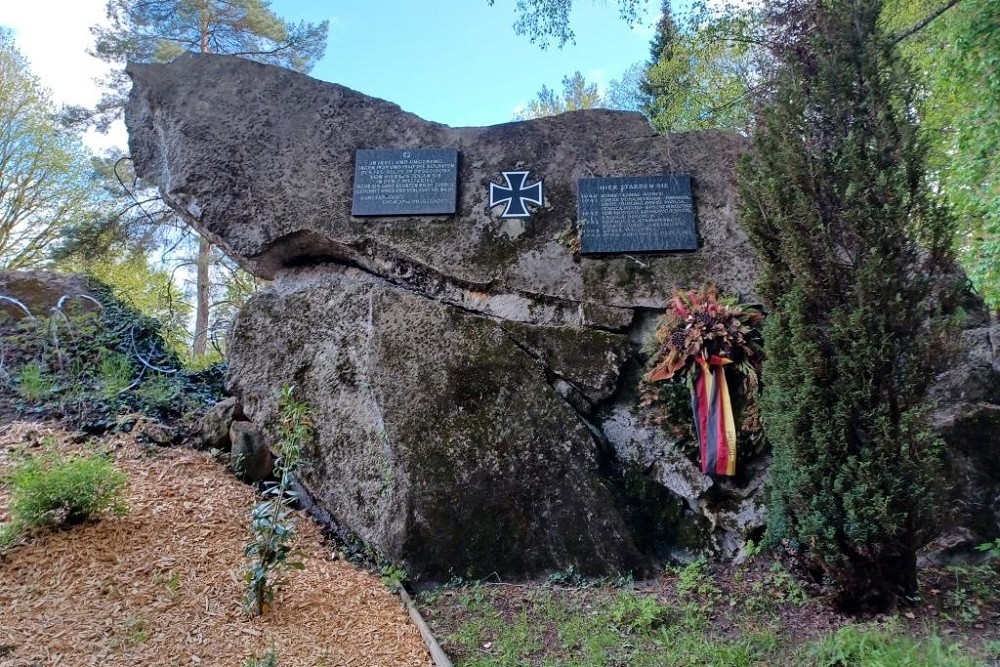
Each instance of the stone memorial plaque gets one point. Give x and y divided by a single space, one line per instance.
636 214
414 181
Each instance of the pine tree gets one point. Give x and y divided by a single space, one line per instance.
857 274
160 30
577 94
702 71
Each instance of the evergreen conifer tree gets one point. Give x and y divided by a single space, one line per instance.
858 276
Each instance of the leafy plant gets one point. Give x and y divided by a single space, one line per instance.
33 383
970 591
48 490
633 613
991 549
272 520
568 577
116 374
158 391
694 582
392 576
269 659
131 631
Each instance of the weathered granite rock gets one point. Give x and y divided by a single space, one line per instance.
968 419
261 160
440 439
250 457
472 381
213 427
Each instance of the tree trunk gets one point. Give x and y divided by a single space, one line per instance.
200 345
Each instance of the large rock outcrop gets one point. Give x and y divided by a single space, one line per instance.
473 380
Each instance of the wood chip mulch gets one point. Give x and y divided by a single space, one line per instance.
162 586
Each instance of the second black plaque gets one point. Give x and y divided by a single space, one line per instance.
636 214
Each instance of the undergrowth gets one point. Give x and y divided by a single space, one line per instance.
697 615
101 368
50 490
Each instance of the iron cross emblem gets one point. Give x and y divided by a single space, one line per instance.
515 195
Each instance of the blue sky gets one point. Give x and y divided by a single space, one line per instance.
452 61
459 61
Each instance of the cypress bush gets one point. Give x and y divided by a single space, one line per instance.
859 279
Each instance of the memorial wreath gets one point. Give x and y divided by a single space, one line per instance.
704 337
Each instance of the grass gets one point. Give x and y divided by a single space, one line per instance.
589 627
696 616
33 383
886 646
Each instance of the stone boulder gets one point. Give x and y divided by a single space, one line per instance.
440 439
213 427
260 160
37 293
473 381
250 456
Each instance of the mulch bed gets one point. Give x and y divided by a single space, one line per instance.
162 586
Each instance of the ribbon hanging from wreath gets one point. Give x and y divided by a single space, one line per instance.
700 336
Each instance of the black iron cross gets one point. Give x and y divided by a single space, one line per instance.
515 195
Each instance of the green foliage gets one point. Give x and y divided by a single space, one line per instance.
33 383
44 169
545 21
269 659
272 520
161 30
693 583
970 590
98 369
991 549
856 268
49 490
774 589
392 576
860 646
577 94
637 613
116 374
592 627
147 290
956 57
130 632
704 70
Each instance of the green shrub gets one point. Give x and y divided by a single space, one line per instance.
116 374
49 490
633 613
857 273
269 659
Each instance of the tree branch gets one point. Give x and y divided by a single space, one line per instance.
923 23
